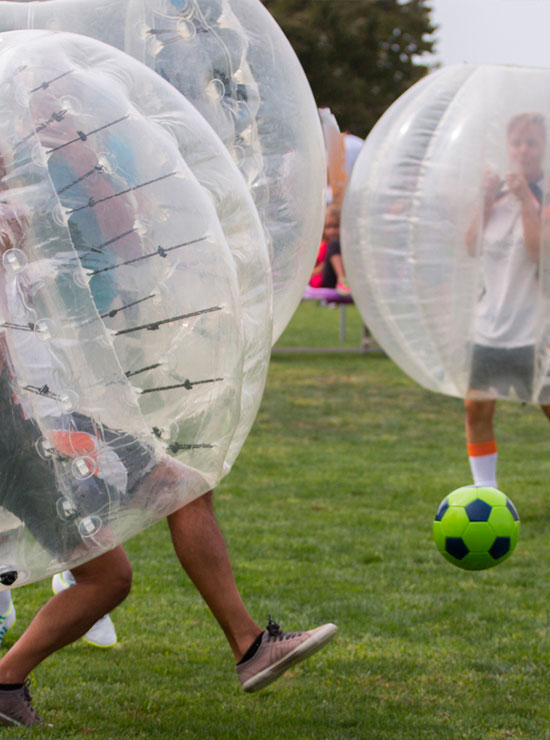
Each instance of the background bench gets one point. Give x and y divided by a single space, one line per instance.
330 295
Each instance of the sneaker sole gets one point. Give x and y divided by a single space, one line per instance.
6 721
99 645
303 651
9 721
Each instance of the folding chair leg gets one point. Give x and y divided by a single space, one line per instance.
342 322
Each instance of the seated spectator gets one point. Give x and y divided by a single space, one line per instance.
329 269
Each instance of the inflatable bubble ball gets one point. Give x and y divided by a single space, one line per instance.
445 232
231 60
135 302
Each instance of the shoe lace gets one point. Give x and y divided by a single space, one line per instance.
28 697
276 633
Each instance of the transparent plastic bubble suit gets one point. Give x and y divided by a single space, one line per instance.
232 61
134 299
433 233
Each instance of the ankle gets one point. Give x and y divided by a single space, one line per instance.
252 650
9 677
243 644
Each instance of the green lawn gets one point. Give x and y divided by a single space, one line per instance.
328 513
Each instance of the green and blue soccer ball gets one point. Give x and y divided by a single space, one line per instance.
476 527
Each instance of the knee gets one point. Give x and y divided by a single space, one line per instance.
478 412
205 501
121 583
199 507
111 573
115 587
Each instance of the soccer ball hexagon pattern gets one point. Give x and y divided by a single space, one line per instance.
476 527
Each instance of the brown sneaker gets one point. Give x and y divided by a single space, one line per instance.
16 707
278 651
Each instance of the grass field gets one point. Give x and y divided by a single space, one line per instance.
328 514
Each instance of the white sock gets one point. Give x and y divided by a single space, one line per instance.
5 601
483 458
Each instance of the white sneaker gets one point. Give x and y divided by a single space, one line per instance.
7 620
103 633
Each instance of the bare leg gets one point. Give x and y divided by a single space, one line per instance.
101 584
201 549
480 439
338 267
479 421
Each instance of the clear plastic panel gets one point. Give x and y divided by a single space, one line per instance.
123 341
420 232
232 61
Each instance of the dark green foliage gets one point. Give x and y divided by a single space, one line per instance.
358 55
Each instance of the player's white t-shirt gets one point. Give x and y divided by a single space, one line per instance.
506 312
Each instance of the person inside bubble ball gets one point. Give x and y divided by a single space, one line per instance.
503 356
329 271
27 487
29 491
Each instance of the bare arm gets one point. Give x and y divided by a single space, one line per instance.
5 244
472 232
491 185
530 214
5 237
13 224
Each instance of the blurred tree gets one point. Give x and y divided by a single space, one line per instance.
358 55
